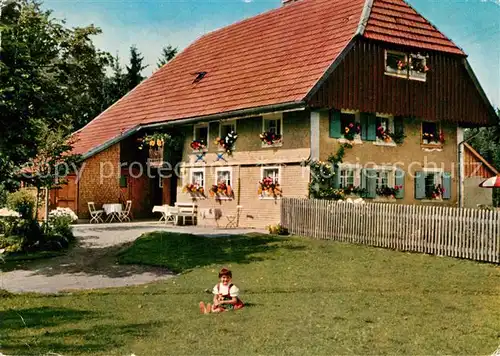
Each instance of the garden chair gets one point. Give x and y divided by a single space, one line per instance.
95 215
233 221
125 214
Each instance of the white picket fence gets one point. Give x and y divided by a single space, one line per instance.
466 233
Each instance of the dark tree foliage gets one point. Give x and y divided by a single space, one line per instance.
167 54
134 76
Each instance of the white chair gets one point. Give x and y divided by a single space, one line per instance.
171 215
95 215
125 214
187 210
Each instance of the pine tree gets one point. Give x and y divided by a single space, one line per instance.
134 76
167 54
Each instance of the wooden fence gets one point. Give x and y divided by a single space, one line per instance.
466 233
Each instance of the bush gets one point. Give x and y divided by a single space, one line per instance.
277 229
23 201
3 195
60 221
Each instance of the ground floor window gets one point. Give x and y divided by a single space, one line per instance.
270 182
432 184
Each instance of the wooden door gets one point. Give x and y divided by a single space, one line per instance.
66 195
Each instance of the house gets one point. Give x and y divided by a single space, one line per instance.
312 75
475 170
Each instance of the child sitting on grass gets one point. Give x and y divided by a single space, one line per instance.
226 295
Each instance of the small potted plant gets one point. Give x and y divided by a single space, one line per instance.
351 130
383 135
198 145
227 142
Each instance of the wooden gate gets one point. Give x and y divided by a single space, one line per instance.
66 195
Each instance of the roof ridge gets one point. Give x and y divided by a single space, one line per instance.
365 16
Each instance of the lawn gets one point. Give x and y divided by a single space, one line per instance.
304 297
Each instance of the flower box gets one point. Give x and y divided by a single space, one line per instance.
270 138
269 188
221 191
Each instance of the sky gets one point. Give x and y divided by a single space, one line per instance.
474 25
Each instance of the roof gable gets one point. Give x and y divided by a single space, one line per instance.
395 21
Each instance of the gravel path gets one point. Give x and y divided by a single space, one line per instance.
92 263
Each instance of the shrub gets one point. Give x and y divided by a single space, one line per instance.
23 201
60 221
277 229
3 195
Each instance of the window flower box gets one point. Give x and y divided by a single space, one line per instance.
269 188
194 189
270 138
221 191
198 145
388 192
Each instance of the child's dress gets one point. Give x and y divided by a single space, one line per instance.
227 293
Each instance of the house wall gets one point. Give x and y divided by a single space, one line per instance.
359 82
99 180
409 156
474 195
246 162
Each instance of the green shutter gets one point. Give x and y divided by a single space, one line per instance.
336 177
399 130
447 185
335 124
371 127
399 181
363 118
419 185
369 182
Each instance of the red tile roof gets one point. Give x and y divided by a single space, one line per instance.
273 58
395 21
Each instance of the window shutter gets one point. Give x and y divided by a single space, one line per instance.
370 182
447 185
399 181
335 124
419 185
399 126
363 118
336 177
371 127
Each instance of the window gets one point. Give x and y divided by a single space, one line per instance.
271 172
396 64
431 133
382 179
409 66
270 183
418 67
346 177
432 184
227 127
198 177
201 133
385 127
272 126
223 175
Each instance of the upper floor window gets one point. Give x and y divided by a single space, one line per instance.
272 130
431 133
200 134
408 66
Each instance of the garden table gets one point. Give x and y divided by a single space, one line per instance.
168 213
112 211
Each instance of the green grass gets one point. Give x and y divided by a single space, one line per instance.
304 296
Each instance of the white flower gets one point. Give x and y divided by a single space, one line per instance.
63 212
4 212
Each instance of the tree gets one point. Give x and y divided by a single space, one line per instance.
51 78
134 76
116 85
167 54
